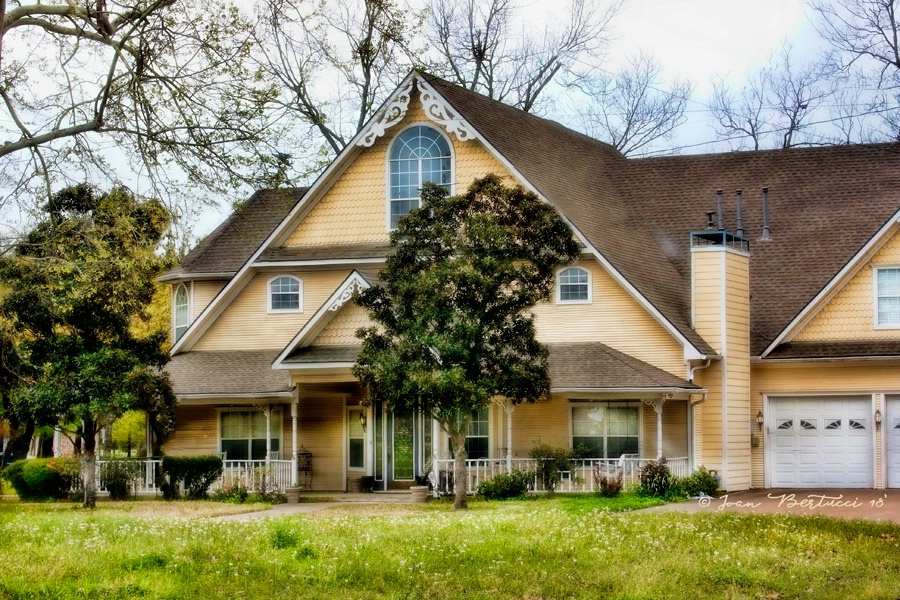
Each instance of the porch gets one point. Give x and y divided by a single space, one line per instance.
276 475
580 478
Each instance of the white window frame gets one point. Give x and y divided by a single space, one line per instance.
877 296
277 432
387 177
589 284
189 289
353 413
299 282
633 404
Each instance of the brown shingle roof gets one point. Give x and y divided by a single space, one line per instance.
227 248
227 373
855 349
323 354
597 366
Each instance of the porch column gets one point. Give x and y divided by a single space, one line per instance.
267 410
148 434
508 408
294 411
657 404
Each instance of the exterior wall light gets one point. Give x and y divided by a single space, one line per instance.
362 419
760 419
878 415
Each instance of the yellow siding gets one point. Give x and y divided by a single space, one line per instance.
721 316
204 292
614 318
341 330
195 432
850 314
540 423
674 429
354 210
321 432
247 324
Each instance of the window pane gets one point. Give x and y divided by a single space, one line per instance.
234 425
235 449
356 454
889 296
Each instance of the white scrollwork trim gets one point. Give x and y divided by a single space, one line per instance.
355 286
437 111
392 114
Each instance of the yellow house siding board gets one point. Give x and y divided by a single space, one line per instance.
341 330
613 318
247 324
321 432
674 430
196 433
354 210
204 292
850 314
542 422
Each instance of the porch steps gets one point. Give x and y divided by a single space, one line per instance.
391 496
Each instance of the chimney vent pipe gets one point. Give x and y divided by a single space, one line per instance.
765 232
740 221
719 207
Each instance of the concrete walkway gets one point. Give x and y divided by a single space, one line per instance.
873 505
313 502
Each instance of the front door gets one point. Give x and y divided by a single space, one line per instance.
402 440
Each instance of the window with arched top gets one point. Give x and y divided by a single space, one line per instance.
417 155
285 294
573 285
181 311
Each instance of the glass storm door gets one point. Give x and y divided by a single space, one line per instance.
403 448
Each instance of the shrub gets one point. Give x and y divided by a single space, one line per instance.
608 486
197 472
656 479
701 482
118 477
506 485
42 478
234 494
552 460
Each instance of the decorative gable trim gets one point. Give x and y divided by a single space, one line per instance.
436 110
392 114
853 266
433 105
354 283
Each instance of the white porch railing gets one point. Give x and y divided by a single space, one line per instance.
252 474
579 479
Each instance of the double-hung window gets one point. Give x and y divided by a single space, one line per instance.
887 299
606 429
243 434
285 294
181 310
573 286
417 155
477 438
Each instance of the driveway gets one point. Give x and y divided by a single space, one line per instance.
874 505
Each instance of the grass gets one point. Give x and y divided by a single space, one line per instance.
559 547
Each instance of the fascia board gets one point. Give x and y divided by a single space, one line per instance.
840 279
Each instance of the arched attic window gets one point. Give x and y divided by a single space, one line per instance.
573 286
181 311
418 154
285 294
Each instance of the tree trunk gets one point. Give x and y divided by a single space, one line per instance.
89 464
460 477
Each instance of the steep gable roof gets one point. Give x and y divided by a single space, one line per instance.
825 204
227 248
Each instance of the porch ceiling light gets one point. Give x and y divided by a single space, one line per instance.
760 419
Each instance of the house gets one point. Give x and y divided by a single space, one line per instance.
754 331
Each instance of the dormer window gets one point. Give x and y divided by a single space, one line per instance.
573 286
285 293
417 155
181 311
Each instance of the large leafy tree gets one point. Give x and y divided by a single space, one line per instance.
76 286
453 329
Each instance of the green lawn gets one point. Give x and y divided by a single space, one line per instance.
554 548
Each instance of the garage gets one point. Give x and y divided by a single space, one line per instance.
820 442
891 427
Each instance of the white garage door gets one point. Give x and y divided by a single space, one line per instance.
820 442
891 429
